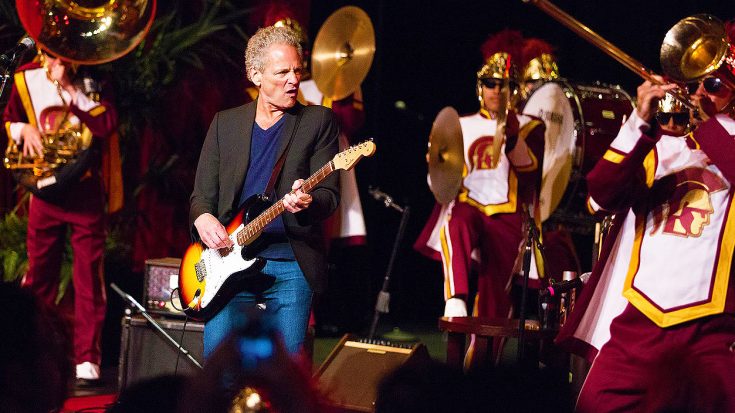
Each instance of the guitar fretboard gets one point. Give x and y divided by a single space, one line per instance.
254 227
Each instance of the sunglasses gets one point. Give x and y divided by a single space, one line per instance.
710 84
680 118
492 83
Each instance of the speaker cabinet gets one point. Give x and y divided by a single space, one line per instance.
353 370
146 353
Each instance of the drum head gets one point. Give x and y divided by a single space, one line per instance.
550 103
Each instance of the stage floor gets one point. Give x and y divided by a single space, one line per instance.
98 398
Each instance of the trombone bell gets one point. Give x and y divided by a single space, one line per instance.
697 47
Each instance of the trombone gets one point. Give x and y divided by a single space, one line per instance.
613 51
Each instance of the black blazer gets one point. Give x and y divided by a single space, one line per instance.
224 161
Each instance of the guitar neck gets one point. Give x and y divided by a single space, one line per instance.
254 227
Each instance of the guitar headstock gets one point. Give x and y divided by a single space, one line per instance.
349 157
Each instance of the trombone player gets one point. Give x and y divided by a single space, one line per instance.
45 99
667 343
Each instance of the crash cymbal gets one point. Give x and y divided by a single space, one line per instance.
446 155
343 52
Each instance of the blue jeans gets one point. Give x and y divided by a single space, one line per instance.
282 287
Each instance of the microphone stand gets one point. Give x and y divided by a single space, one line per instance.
10 64
7 72
136 305
383 300
532 238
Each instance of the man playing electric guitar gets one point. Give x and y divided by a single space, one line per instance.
269 143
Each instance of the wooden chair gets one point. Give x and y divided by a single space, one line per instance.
485 330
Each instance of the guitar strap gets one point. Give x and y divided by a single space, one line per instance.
269 189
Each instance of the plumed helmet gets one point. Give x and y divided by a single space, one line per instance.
499 66
538 61
500 53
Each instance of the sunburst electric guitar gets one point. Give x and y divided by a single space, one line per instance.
208 278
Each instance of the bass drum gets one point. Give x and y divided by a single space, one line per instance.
581 121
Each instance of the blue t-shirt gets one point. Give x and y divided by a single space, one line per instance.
263 150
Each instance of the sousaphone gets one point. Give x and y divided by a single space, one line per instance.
87 32
343 52
84 32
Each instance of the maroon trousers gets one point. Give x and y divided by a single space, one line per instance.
645 368
497 237
82 210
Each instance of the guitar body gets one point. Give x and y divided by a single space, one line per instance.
209 278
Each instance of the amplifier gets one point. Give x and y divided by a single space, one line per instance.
145 353
161 279
353 370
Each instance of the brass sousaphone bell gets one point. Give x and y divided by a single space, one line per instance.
85 32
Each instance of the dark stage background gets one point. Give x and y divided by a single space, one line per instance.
427 55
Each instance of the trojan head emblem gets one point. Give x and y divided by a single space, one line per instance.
687 208
481 153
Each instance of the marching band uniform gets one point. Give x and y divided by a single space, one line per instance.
670 254
486 215
486 218
347 224
81 206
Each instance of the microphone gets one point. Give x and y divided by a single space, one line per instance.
561 287
26 43
386 199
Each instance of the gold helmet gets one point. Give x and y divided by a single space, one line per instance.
542 67
499 66
296 27
669 104
501 52
539 62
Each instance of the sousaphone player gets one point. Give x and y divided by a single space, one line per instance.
46 103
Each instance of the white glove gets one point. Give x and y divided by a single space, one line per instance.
455 307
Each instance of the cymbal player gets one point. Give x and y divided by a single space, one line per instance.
486 215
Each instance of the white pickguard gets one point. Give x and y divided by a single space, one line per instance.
219 267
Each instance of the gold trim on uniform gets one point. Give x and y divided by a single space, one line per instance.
25 97
446 253
493 209
716 303
98 110
649 165
613 156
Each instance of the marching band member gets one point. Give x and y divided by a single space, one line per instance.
657 315
43 96
539 65
487 215
672 117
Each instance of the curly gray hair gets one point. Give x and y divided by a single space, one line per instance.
255 57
